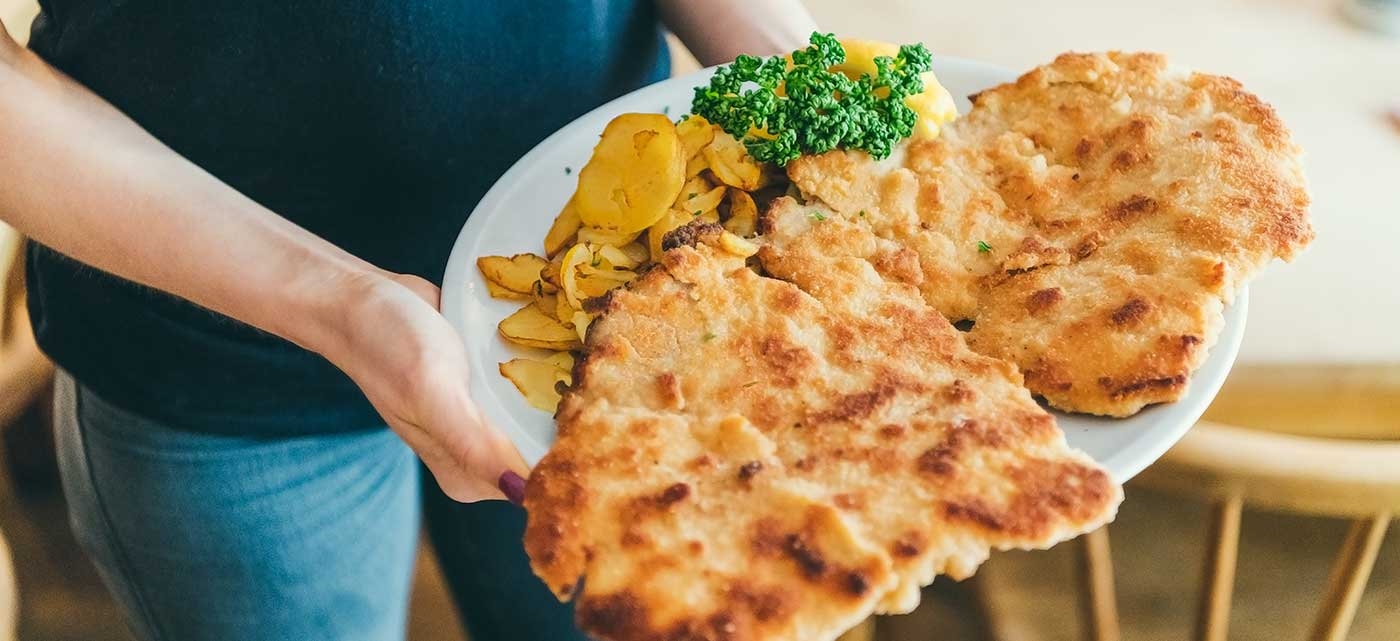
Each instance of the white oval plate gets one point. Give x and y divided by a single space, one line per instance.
515 214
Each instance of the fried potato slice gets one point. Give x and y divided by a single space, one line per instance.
695 166
694 186
530 327
743 214
595 236
615 257
548 303
637 252
673 219
581 322
732 164
595 284
632 178
564 231
695 132
564 311
580 254
519 273
538 380
499 291
701 202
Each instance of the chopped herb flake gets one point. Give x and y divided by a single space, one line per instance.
818 216
709 336
696 213
862 213
568 170
691 195
983 247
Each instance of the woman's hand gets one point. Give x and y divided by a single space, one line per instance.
412 366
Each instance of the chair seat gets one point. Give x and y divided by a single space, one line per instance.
1320 476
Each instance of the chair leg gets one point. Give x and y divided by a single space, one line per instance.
1098 601
1213 615
1350 572
9 593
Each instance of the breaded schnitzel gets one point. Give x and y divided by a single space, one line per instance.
742 457
1092 218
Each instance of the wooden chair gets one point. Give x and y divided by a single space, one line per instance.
1231 467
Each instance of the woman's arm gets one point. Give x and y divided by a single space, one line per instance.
718 30
80 177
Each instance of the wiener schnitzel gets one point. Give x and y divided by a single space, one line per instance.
1092 218
743 457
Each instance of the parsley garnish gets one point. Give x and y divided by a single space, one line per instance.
862 213
692 195
983 247
818 216
819 110
696 213
709 336
568 170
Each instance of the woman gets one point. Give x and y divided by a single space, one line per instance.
301 167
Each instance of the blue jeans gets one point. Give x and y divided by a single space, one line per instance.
218 538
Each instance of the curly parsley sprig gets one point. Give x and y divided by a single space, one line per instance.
781 113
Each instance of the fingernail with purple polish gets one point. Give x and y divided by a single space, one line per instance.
513 486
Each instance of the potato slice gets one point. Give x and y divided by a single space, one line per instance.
564 231
673 219
637 252
595 285
548 303
743 214
632 178
581 322
595 236
531 327
568 273
550 273
519 273
564 361
564 311
538 380
695 166
615 257
693 188
606 273
732 164
701 202
695 132
497 291
736 245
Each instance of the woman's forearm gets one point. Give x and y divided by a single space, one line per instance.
80 177
718 30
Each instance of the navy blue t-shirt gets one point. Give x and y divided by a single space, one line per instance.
375 124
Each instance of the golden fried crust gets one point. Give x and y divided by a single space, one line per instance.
1123 202
746 458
